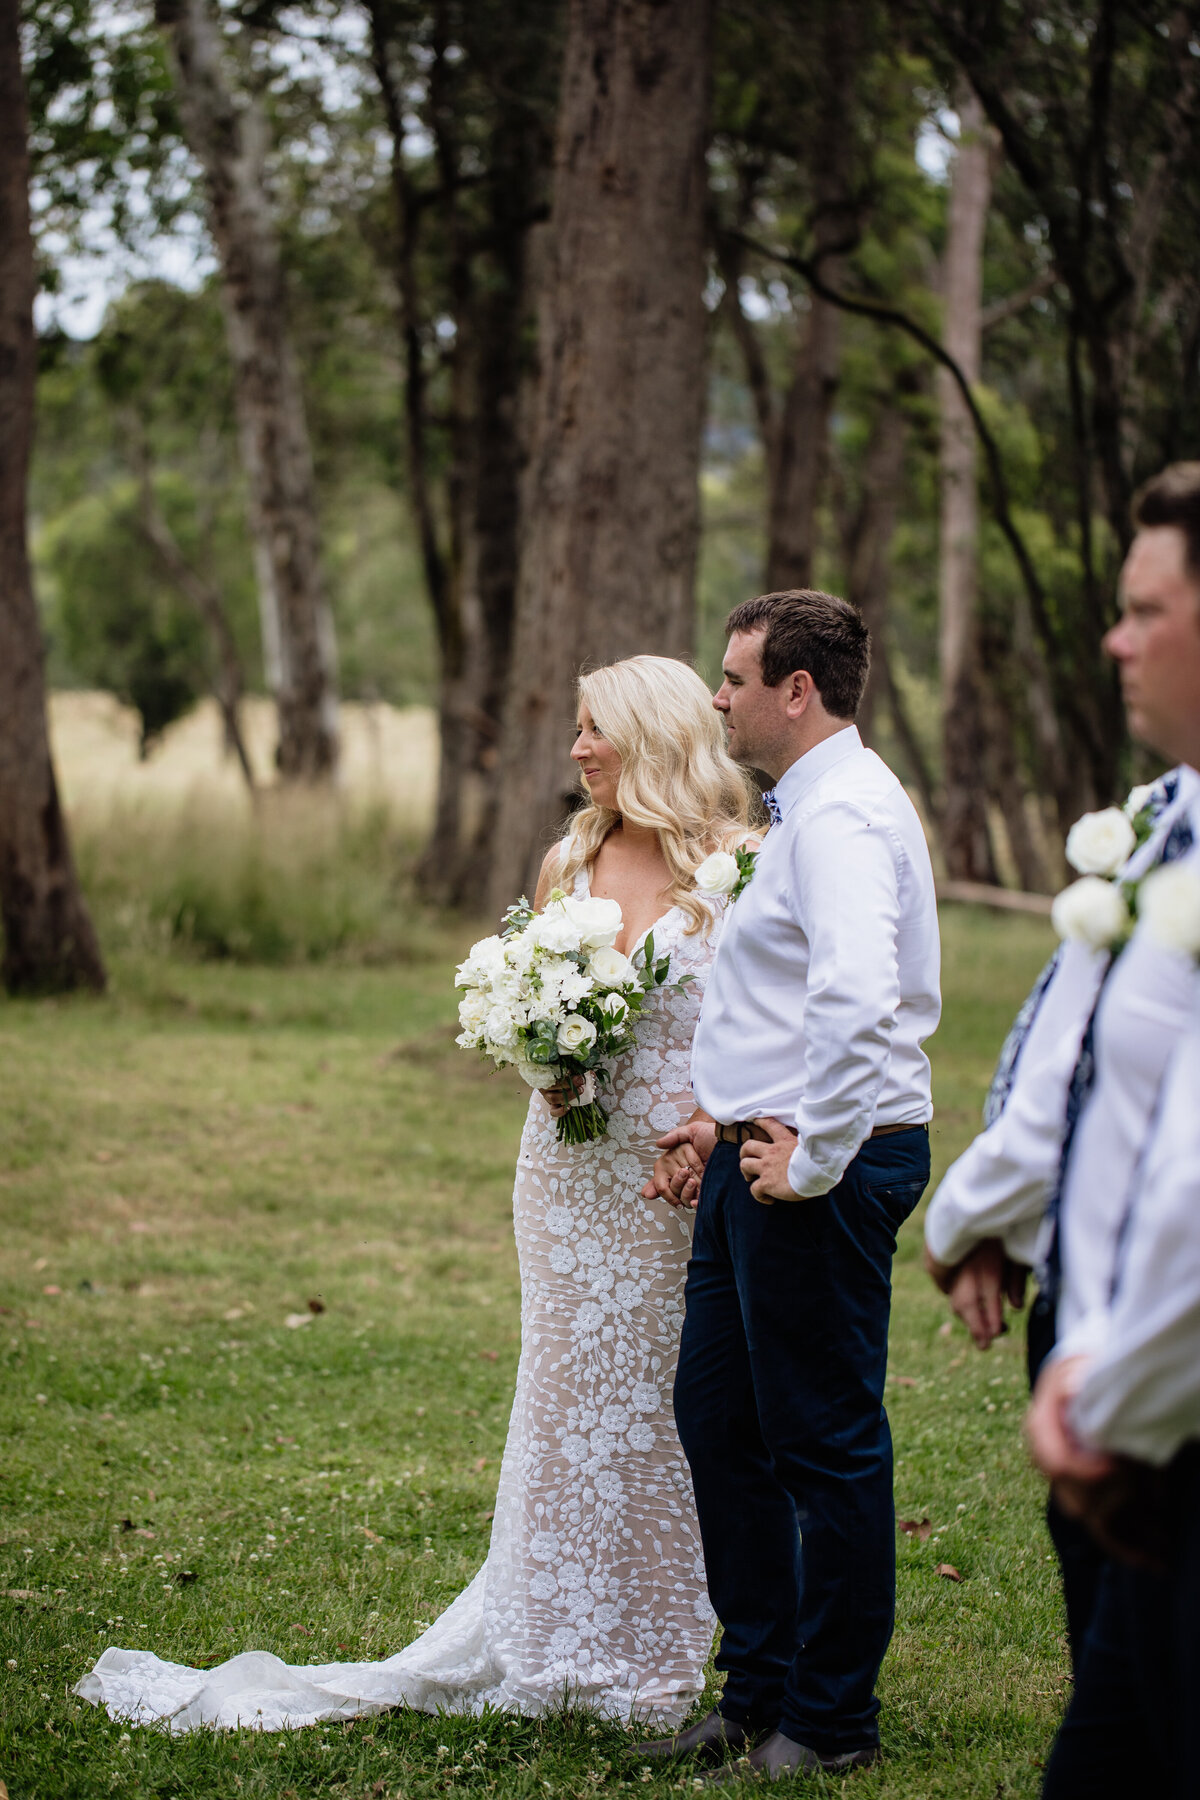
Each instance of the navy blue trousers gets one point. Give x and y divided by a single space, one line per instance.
779 1403
1131 1727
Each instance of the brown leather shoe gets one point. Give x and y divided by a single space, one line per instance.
709 1740
779 1757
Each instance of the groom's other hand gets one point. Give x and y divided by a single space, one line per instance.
765 1166
978 1288
680 1169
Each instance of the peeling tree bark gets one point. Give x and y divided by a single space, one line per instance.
612 511
49 941
228 137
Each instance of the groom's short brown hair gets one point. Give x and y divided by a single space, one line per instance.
806 629
1173 498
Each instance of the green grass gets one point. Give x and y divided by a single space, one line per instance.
188 1163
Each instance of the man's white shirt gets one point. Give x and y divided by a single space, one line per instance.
1000 1187
825 982
1141 1393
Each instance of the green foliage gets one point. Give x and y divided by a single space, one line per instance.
241 1141
118 626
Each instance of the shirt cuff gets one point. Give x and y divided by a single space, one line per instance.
806 1180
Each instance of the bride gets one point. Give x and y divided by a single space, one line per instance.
593 1590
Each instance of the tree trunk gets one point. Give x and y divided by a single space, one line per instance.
612 505
800 460
49 941
229 138
966 844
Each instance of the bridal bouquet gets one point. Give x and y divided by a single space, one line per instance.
554 997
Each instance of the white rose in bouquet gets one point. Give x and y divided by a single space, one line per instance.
610 968
1139 797
1092 912
598 922
576 1035
718 873
615 1007
473 1010
1100 842
1169 908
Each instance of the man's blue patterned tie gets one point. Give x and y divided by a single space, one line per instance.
1178 842
770 800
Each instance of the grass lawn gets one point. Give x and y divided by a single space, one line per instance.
196 1462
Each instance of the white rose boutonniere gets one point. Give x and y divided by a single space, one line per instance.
727 872
718 873
1099 842
1168 906
1092 912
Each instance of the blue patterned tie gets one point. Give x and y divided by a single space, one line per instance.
1178 842
770 800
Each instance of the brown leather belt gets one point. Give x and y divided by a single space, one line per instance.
742 1129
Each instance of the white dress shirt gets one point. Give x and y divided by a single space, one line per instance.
825 982
1001 1185
1141 1393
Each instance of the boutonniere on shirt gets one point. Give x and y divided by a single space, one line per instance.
727 872
1100 910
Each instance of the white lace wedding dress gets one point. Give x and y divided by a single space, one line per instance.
593 1590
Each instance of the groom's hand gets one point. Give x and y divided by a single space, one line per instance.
765 1166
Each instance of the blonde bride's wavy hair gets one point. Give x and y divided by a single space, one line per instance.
677 778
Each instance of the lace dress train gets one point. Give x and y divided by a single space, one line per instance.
593 1590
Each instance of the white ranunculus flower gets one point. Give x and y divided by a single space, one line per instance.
552 930
1169 908
535 1075
500 1027
718 873
473 1010
483 965
1091 911
576 1035
1139 797
598 922
1100 842
610 968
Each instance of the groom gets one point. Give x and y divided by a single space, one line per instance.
812 1131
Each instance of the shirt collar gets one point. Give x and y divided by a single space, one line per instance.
795 782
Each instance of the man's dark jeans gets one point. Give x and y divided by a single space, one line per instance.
1131 1724
779 1402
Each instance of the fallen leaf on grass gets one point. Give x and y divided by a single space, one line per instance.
295 1320
905 1380
51 1289
303 1629
487 1355
102 1156
43 1262
368 1533
916 1528
949 1571
316 1305
480 1464
946 1329
21 1593
3 1791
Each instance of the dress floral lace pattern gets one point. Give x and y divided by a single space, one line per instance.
593 1590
